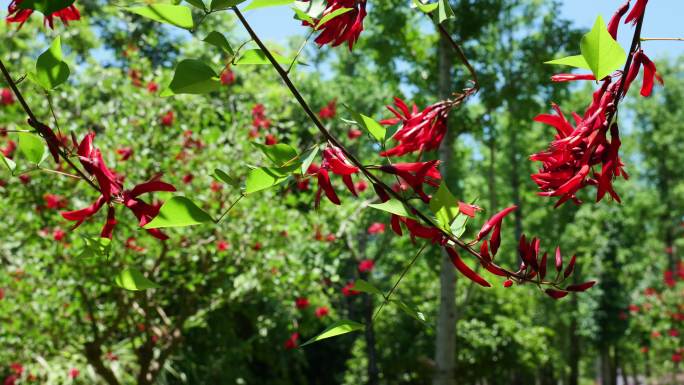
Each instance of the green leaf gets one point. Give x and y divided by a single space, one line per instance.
312 9
308 159
280 154
218 40
224 4
179 212
377 130
266 177
303 16
365 287
9 163
193 77
445 206
573 61
393 206
331 15
426 8
199 4
32 146
458 226
409 310
51 71
256 57
267 3
177 15
134 280
444 11
336 329
46 7
224 177
95 246
603 54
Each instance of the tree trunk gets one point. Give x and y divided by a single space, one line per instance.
445 345
372 370
574 347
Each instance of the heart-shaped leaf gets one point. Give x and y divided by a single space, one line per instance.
179 212
193 77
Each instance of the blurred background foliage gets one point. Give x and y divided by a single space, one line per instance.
226 306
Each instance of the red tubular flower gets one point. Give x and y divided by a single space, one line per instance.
416 174
18 15
348 291
615 20
167 119
650 73
301 303
53 201
494 221
227 77
354 133
420 131
152 87
366 265
468 209
291 342
637 11
112 191
329 111
556 294
464 269
321 312
571 77
6 97
376 228
346 27
336 162
125 152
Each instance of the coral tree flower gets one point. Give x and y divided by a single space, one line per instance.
18 15
322 311
376 228
336 162
346 27
6 97
112 191
366 265
329 111
291 343
420 130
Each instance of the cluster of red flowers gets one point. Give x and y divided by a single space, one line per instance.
260 121
18 15
346 27
571 160
112 191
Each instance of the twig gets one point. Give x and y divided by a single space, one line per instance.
662 39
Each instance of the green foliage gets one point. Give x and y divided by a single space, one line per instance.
51 70
179 212
177 15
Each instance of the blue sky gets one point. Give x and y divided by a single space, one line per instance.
663 19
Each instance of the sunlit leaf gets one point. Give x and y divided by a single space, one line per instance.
179 212
393 206
336 329
177 15
267 3
134 280
193 77
51 70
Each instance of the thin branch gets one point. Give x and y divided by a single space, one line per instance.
230 208
370 176
401 277
34 119
299 52
662 39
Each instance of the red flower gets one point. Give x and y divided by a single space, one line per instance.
301 303
649 291
53 201
222 245
321 311
24 178
347 290
335 161
125 152
6 97
9 149
111 189
256 246
346 27
259 119
11 379
58 234
187 178
227 77
329 111
354 133
152 87
420 131
655 334
637 11
644 349
508 283
136 77
73 373
17 15
376 228
571 77
361 186
111 356
131 245
366 265
677 357
216 186
2 294
633 308
17 368
668 278
468 209
167 119
416 174
291 342
674 333
271 140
